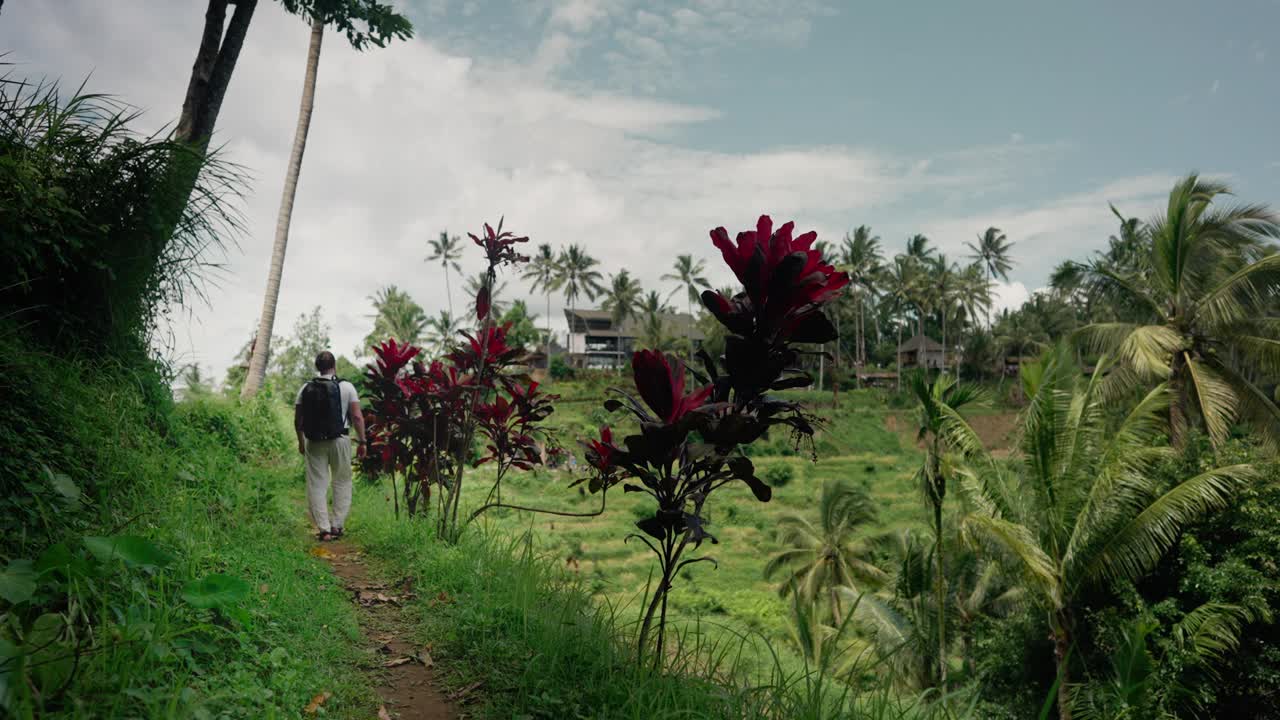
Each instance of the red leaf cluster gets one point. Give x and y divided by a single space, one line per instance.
660 383
499 245
785 283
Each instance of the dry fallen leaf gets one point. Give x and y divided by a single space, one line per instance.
321 553
424 657
382 713
397 662
314 706
263 588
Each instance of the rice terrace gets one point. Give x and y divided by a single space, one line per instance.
610 359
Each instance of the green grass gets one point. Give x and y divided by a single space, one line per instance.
854 444
216 488
209 489
503 615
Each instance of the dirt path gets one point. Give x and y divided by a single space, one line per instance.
400 670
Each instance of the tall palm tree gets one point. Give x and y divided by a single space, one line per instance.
833 553
1085 505
972 297
1205 325
862 258
992 253
442 332
920 295
396 315
900 619
576 273
1017 333
688 274
938 424
899 288
446 250
918 248
653 332
943 282
267 319
541 270
620 299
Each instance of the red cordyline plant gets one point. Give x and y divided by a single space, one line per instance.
424 419
690 440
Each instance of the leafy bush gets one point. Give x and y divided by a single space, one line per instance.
144 571
560 370
86 256
779 475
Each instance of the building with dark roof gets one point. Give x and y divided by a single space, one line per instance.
921 351
594 342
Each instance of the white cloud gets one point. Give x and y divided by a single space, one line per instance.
1008 296
1070 226
579 15
408 141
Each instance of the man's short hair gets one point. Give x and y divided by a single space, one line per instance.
325 361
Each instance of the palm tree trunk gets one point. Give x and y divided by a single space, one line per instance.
862 331
210 77
897 356
448 292
835 363
991 280
945 347
688 326
939 588
548 340
266 321
1061 625
920 356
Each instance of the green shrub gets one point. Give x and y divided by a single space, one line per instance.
559 369
779 475
87 253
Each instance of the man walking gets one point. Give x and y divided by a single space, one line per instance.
323 414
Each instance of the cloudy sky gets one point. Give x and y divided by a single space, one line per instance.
633 127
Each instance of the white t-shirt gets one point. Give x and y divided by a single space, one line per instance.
347 394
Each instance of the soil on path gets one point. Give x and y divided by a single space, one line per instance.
401 670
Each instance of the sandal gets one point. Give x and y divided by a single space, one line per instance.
326 536
336 532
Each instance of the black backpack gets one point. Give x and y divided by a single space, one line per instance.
322 409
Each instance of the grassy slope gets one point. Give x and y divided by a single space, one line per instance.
734 599
211 485
217 487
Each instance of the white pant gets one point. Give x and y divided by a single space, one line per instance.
325 459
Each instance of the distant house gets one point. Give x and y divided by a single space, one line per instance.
921 351
537 359
594 342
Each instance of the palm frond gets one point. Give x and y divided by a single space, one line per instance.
1104 337
1137 545
1148 348
1215 399
1260 411
1255 351
1020 544
1212 630
1121 471
1229 301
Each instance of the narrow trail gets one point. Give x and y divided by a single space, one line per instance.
400 670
